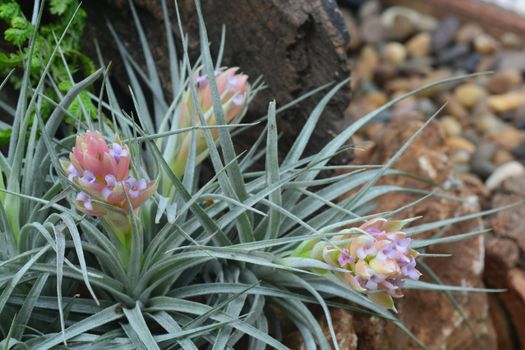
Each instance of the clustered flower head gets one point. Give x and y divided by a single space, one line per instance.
102 173
233 90
377 259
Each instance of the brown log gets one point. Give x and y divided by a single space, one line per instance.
295 45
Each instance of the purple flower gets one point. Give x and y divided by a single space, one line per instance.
86 199
202 81
345 257
111 182
366 249
409 270
117 151
72 172
136 186
89 177
238 100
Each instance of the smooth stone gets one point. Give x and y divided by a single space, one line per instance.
485 44
502 156
503 172
367 62
426 106
451 126
511 59
400 22
485 150
443 35
470 63
468 32
419 45
508 138
504 81
394 53
448 55
454 108
506 102
482 167
460 156
369 8
384 73
488 124
511 40
372 30
520 123
469 94
519 151
459 143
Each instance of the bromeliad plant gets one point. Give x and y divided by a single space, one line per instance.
131 247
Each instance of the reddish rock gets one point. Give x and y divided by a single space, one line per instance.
430 315
503 269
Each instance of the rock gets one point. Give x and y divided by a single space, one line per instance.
454 108
394 53
508 138
506 102
504 268
503 172
502 156
485 44
377 98
519 151
482 167
369 8
366 63
511 40
461 157
470 62
372 30
469 94
511 60
486 150
443 35
488 124
458 143
451 54
520 122
451 126
504 81
384 73
419 45
401 22
507 252
433 77
468 32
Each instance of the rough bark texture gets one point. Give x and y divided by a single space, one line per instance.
295 45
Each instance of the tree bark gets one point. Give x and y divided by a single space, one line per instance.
296 45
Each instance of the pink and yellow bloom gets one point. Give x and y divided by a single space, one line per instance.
234 92
377 259
101 171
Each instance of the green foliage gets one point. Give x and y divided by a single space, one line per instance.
68 65
209 262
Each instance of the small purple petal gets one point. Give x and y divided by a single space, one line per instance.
111 180
136 186
345 257
89 177
106 192
84 197
238 100
117 151
72 172
202 81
